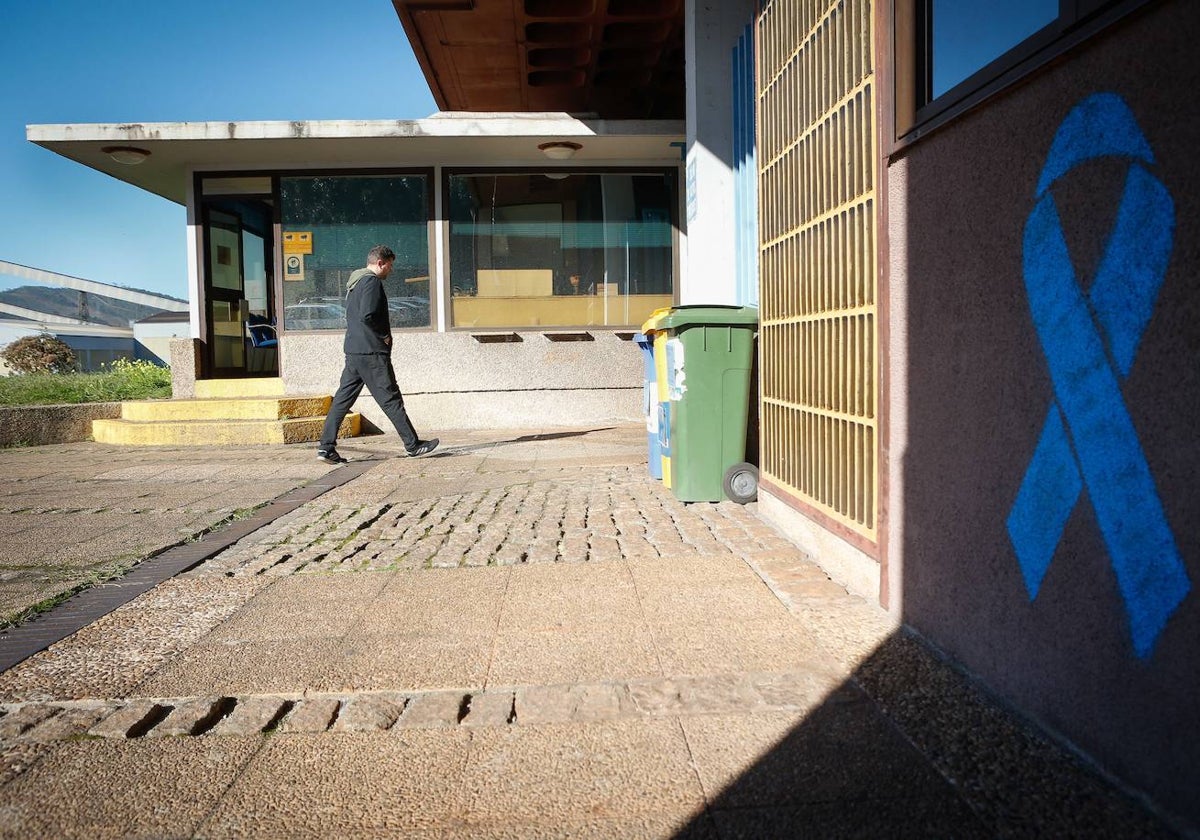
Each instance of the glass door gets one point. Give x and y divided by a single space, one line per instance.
240 332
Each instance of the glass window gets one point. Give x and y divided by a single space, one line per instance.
344 216
228 338
560 250
953 54
970 34
254 283
226 248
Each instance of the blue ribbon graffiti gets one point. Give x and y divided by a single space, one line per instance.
1088 437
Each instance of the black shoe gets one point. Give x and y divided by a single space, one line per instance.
423 447
331 456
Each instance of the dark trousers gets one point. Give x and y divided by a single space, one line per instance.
376 373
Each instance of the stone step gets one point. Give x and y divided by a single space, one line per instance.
209 389
243 408
218 432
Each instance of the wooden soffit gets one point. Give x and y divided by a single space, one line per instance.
617 59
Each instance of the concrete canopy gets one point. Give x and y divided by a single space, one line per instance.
177 149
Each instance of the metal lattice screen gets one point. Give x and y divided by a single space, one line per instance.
818 345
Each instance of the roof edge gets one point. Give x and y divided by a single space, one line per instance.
443 124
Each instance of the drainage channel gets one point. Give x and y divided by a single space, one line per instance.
81 609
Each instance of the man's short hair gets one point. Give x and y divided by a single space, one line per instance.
380 254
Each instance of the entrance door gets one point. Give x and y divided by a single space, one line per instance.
240 338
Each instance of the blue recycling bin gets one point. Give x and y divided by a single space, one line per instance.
650 404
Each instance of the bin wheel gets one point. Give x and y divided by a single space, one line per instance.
741 483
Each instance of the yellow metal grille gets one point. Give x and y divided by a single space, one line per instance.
817 228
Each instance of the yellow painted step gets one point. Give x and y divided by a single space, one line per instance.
218 432
246 408
212 389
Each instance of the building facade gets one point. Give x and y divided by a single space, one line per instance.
529 249
978 346
970 230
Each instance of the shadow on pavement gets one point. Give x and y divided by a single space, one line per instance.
475 447
907 747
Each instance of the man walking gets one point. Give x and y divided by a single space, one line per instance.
368 348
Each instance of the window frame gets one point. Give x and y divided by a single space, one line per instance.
449 172
428 172
916 112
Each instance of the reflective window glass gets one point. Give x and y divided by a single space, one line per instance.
329 223
970 34
225 262
560 250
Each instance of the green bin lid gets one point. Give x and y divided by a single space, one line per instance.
707 315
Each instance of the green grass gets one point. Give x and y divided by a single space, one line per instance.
123 380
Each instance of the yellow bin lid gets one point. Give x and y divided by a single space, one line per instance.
654 322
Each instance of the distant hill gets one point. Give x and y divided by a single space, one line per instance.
83 306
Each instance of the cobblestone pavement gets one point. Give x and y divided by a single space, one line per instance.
521 636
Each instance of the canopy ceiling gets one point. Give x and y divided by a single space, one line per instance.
617 59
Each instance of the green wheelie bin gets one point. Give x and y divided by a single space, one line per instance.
710 358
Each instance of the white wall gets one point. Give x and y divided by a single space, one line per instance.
712 31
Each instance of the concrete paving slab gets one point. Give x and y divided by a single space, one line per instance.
99 788
18 757
25 587
689 569
303 606
911 818
595 595
425 660
548 775
1045 791
739 600
642 827
845 751
35 544
346 785
254 667
235 496
111 656
490 708
661 686
573 654
16 523
708 648
470 600
95 505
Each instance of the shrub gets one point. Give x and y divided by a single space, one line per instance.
39 354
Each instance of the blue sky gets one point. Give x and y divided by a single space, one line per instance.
80 61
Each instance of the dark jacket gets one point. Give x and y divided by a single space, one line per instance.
368 328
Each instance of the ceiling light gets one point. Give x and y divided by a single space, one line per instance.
560 149
128 155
